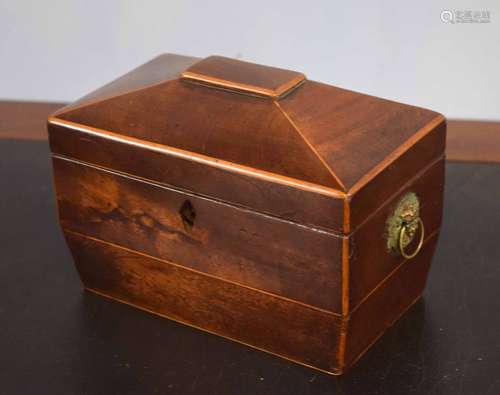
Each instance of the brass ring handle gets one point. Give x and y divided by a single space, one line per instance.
402 233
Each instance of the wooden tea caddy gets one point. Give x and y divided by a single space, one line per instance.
286 214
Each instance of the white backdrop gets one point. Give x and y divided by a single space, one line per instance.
59 50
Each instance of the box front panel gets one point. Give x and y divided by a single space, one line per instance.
233 244
290 330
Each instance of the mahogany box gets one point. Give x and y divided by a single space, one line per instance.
292 216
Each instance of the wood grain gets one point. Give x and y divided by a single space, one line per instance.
262 194
285 328
237 245
236 128
353 132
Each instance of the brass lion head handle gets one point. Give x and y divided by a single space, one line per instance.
403 226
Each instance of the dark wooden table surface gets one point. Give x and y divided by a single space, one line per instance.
57 339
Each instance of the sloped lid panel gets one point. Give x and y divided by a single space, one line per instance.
352 132
240 129
160 69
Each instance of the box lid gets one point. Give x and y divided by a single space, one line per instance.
259 137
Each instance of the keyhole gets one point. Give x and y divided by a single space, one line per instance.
188 215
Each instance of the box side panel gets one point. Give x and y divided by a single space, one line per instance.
387 303
377 190
234 244
287 329
370 259
277 199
